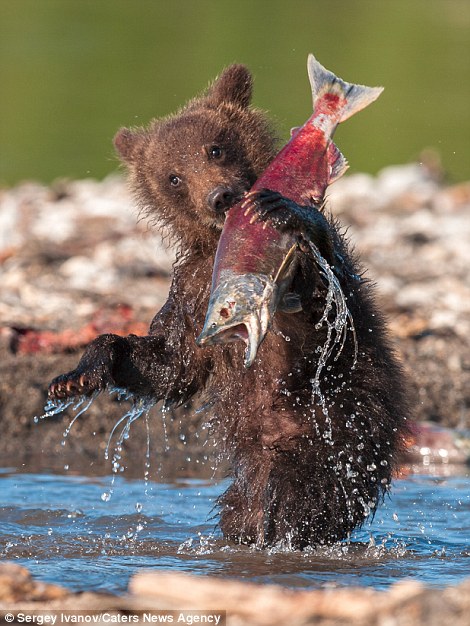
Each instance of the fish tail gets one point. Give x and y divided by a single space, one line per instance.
356 97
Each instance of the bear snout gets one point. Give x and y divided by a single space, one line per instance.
221 199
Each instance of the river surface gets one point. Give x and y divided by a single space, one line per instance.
66 530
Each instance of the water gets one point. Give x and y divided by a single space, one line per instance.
61 529
337 328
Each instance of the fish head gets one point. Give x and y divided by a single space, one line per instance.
240 308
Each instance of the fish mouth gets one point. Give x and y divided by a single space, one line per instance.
248 331
239 331
224 335
240 309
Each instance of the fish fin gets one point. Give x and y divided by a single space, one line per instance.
286 266
294 130
337 161
323 81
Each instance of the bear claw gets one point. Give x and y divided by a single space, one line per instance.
67 388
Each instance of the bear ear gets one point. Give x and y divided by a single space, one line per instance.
235 85
127 143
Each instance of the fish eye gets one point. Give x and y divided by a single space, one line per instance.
175 181
215 152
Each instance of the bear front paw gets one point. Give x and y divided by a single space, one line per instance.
270 206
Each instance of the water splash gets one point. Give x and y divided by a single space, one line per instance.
141 405
338 320
164 412
200 545
54 407
337 328
147 455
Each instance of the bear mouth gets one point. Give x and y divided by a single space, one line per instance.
218 220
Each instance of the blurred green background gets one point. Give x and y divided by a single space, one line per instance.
73 71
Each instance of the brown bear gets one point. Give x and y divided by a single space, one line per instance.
309 462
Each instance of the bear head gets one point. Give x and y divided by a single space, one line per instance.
189 168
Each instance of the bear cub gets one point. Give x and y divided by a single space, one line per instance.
308 464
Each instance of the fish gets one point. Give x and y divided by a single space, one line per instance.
255 262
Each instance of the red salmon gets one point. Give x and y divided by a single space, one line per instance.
255 262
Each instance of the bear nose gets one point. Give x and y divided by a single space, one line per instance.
220 199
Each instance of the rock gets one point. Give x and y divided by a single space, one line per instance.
78 241
406 603
17 585
431 444
160 593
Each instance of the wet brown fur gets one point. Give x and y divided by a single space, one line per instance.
299 476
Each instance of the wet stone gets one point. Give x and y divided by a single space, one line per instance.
246 604
17 584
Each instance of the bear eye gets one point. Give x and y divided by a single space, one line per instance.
175 181
215 152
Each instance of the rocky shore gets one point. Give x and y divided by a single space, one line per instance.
76 261
236 603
